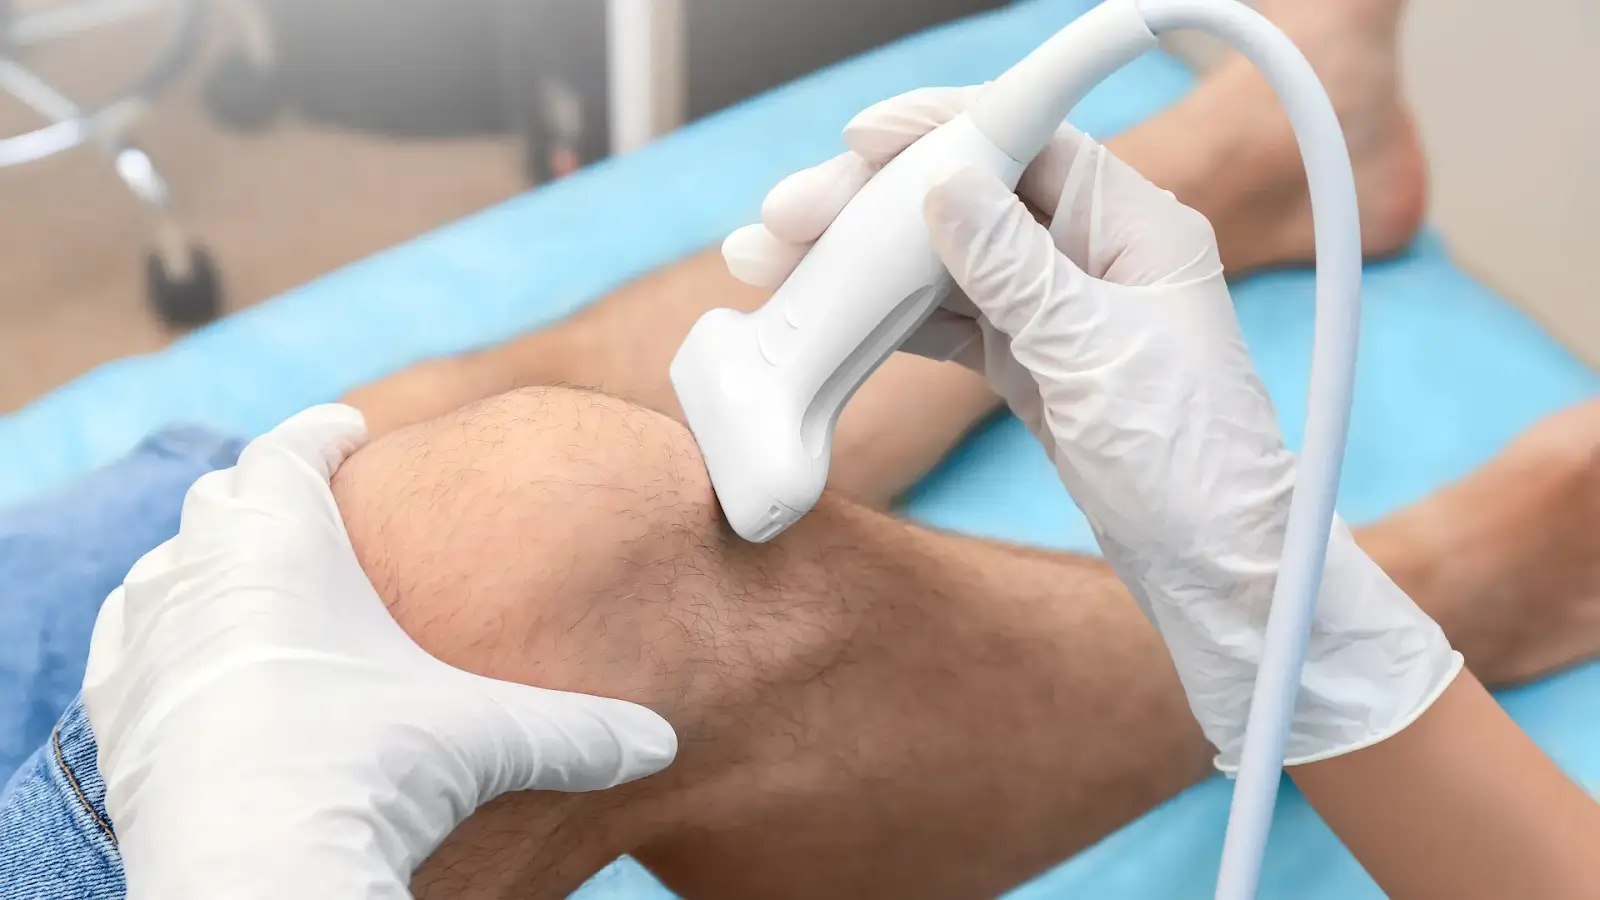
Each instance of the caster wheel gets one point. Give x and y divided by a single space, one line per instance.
194 298
241 93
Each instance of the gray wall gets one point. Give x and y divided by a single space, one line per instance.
738 48
1507 98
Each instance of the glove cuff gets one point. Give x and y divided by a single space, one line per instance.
1375 662
1230 767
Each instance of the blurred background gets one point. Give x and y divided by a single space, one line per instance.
238 148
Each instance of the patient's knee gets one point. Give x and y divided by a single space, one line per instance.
548 536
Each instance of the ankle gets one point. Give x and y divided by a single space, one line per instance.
1460 554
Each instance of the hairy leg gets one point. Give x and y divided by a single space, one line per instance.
1238 161
896 428
866 708
840 687
912 411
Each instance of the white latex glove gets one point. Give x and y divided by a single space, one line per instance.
1112 336
266 729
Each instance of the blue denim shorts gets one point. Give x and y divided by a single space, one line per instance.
59 557
56 840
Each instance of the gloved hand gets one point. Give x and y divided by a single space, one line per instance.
1112 336
265 728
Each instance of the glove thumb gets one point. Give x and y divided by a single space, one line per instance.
560 741
282 479
1003 259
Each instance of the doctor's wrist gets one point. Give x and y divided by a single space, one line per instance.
1374 662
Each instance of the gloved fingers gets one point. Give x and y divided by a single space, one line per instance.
1013 382
802 206
281 476
759 258
1111 221
1145 235
879 132
100 676
795 213
561 741
1002 258
1043 179
318 440
882 131
943 337
180 560
1107 217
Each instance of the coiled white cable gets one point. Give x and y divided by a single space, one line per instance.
1337 227
1018 113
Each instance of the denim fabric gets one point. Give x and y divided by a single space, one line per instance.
62 553
59 557
56 841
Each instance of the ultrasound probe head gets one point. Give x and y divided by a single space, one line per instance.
762 391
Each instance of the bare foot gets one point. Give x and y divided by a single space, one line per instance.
1510 557
1353 45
